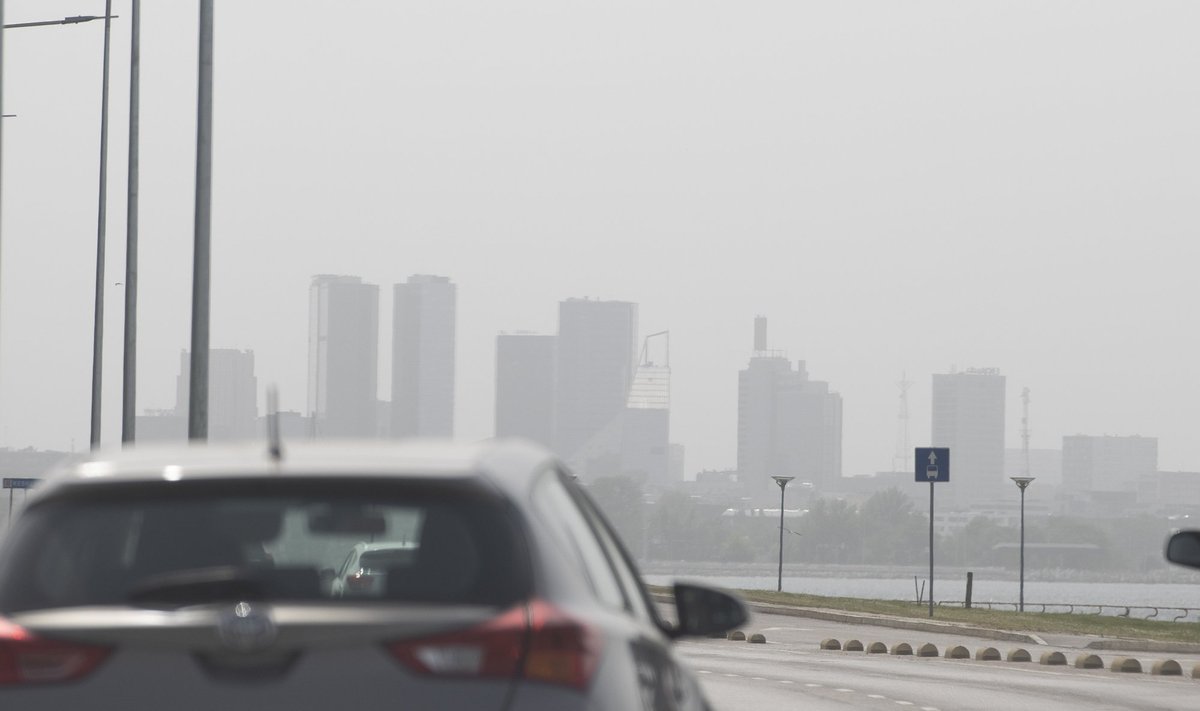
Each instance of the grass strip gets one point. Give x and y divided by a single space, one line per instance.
1031 622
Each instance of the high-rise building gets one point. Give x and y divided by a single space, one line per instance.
343 356
1108 463
594 370
968 417
788 424
423 320
232 392
525 387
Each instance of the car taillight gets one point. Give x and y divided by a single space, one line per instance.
359 581
534 641
28 659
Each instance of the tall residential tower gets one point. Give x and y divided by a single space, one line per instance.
968 417
423 323
788 424
343 356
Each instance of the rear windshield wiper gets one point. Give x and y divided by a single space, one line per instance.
199 585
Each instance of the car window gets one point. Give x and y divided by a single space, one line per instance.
559 509
278 541
617 557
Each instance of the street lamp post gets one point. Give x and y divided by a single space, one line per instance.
1022 482
98 326
782 481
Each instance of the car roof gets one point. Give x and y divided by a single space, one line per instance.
384 546
509 463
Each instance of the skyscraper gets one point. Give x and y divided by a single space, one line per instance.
232 400
343 356
525 387
1107 464
968 417
232 393
787 424
597 343
423 357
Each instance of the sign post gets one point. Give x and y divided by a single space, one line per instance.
14 483
933 466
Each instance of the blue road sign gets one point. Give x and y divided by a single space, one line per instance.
933 464
27 483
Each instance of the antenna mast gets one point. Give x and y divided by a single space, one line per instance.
900 460
1025 428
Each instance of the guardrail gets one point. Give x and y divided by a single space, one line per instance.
1144 612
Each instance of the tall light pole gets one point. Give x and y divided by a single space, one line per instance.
782 481
1022 482
129 380
101 224
198 373
101 219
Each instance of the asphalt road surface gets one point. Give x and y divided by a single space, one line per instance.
791 672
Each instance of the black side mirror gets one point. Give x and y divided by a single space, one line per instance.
703 611
1184 548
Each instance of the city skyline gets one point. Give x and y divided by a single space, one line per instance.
546 346
1020 207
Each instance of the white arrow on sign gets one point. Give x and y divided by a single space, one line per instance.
933 457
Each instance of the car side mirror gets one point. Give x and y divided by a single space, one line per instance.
1184 548
703 611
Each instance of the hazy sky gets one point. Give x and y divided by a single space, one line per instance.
898 186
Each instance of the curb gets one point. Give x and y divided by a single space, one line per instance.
1145 645
895 622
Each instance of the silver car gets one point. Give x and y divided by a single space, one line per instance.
204 578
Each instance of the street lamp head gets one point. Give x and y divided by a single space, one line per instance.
782 481
1022 481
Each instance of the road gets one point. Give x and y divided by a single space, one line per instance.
791 672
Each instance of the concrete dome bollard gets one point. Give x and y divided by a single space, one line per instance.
927 650
758 638
987 654
1088 661
830 644
1053 659
853 645
1166 667
737 636
960 652
1018 655
877 648
902 649
1126 665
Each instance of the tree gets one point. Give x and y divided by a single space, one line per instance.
620 498
891 528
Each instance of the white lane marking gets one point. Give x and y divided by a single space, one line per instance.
786 681
757 678
814 686
731 675
876 696
905 703
845 691
703 671
929 708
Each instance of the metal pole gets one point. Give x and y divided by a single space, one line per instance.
129 395
198 377
1022 594
101 219
782 488
931 549
1 90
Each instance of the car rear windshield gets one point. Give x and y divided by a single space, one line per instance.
177 543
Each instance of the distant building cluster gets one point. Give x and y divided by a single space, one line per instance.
589 393
598 392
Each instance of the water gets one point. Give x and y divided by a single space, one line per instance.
1114 596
